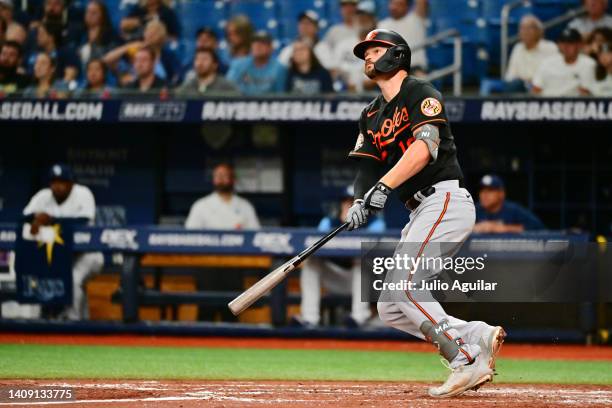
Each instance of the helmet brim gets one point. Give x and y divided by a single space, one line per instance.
362 46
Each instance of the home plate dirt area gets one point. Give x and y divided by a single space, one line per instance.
187 394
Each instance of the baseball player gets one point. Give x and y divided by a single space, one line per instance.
405 144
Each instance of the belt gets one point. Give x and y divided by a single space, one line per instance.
414 201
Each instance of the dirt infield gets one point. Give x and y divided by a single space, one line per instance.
517 351
188 394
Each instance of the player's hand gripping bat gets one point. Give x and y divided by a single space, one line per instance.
264 285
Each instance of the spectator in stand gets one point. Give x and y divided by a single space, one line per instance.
308 30
49 39
306 75
95 85
569 73
206 38
528 54
68 19
45 85
11 80
16 32
258 73
349 68
239 34
6 15
344 29
409 24
206 76
99 37
496 215
133 25
144 68
167 64
603 84
336 275
596 18
595 40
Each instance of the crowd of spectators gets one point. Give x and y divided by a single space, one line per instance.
62 50
579 64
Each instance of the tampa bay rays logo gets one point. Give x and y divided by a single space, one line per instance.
57 239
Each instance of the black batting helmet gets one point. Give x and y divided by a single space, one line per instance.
397 56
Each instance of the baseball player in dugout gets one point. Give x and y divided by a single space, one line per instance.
405 144
67 200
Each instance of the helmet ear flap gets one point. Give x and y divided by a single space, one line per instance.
396 57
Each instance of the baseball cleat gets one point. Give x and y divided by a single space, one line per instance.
465 377
494 343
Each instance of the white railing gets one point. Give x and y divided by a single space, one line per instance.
507 41
455 68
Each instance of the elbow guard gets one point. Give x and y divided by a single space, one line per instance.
430 134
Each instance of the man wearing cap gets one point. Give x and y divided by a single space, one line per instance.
405 144
410 24
346 28
259 73
64 199
496 215
340 276
308 30
568 73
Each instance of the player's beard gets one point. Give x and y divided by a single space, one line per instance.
370 70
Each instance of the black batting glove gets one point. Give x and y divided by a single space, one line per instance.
376 197
357 215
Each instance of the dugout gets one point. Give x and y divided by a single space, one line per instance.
148 169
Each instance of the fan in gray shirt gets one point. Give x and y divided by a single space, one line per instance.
206 78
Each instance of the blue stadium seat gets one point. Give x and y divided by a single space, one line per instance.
464 9
194 14
261 12
116 11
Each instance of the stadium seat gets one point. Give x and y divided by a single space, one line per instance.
262 13
195 14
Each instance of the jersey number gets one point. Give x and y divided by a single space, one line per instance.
404 145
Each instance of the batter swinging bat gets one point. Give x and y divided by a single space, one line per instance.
252 294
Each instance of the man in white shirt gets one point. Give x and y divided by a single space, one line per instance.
409 24
349 68
345 29
308 30
67 200
528 54
596 17
568 74
222 209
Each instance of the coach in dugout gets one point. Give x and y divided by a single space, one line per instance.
64 199
222 209
496 215
336 275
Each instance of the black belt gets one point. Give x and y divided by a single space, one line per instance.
414 201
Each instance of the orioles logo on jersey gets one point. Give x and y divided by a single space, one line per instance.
390 128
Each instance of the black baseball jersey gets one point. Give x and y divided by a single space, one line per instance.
386 131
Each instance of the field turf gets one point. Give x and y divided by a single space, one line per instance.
137 362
